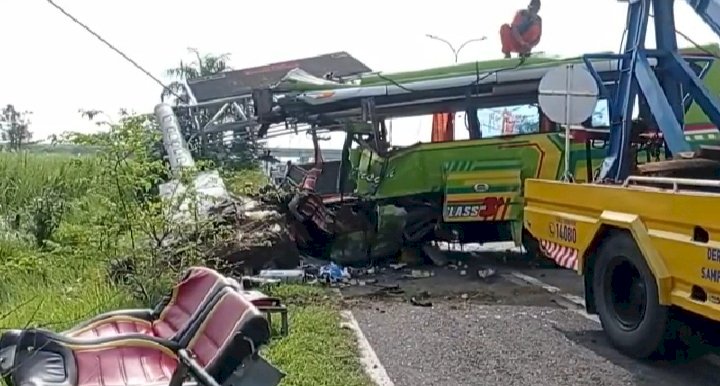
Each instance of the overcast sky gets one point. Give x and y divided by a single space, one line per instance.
53 67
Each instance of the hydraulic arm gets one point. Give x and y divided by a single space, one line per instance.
663 88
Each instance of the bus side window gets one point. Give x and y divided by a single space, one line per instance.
509 120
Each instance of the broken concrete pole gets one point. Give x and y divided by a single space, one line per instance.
177 150
260 239
209 186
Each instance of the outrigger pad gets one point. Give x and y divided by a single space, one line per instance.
170 318
221 342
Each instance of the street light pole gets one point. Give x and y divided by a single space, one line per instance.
456 52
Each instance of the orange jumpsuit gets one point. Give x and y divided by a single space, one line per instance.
529 29
443 127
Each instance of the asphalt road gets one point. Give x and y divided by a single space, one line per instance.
499 332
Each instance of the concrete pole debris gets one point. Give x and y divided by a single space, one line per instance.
175 146
209 186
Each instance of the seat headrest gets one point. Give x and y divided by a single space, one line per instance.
195 290
231 321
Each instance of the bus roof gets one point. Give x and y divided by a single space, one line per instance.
492 83
459 70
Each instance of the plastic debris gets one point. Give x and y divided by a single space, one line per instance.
419 274
421 299
333 273
286 275
486 273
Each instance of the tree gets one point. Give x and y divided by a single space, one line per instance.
203 65
236 153
15 127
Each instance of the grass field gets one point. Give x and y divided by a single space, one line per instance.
59 228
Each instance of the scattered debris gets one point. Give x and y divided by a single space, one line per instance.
418 274
390 289
421 299
260 236
368 282
486 273
333 273
284 275
398 266
438 257
254 281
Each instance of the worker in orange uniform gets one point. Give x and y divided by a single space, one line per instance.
524 33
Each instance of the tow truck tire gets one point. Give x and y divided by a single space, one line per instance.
637 326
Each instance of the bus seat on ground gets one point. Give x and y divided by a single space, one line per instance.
170 318
220 347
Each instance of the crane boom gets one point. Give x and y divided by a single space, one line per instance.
663 88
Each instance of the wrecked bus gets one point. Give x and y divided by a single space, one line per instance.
465 185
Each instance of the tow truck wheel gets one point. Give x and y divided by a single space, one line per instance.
626 296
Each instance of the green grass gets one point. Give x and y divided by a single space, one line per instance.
318 351
56 296
55 287
26 176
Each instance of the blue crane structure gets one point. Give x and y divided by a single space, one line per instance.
665 89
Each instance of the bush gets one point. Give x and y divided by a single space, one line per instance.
90 230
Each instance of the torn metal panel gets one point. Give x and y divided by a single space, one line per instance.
242 82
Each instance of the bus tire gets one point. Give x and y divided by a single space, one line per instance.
627 298
533 253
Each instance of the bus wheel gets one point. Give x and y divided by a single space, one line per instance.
626 296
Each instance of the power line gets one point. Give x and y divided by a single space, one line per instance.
134 63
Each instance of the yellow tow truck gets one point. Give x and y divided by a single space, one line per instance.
647 245
642 250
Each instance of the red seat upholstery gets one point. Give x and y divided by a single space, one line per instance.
132 365
168 320
228 332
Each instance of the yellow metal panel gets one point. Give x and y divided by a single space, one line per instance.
662 222
542 222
